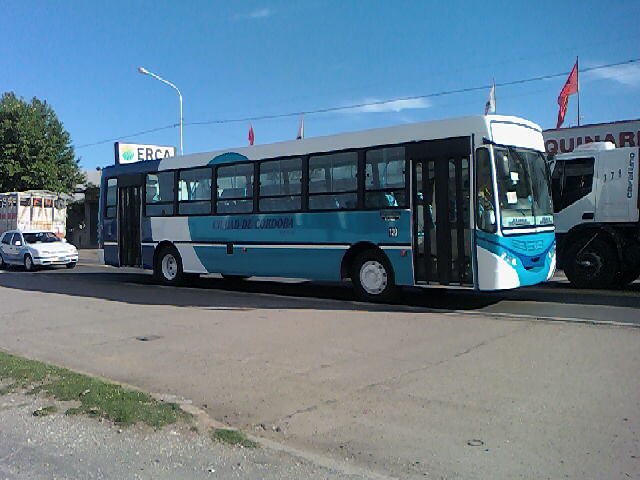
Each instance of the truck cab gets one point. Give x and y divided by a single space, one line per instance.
596 213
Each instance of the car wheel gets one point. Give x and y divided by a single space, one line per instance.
3 265
29 266
168 267
71 265
372 277
592 266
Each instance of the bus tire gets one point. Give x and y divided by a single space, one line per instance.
593 266
168 267
29 266
372 277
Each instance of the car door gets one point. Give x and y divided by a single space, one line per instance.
16 248
5 247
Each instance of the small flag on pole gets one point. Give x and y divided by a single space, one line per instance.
251 135
490 106
570 87
301 129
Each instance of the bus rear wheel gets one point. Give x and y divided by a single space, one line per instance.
372 277
168 267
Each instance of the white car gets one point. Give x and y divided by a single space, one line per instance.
34 249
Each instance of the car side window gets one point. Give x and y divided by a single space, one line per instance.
5 238
16 238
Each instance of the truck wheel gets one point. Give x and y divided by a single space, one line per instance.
372 277
168 267
627 276
594 266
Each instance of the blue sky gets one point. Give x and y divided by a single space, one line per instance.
250 58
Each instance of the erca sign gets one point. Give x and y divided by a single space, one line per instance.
133 152
564 140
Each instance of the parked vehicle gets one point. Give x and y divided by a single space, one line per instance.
596 210
461 202
36 248
33 210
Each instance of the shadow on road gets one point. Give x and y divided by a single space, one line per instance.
135 287
139 288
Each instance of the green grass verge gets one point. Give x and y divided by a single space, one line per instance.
232 437
97 397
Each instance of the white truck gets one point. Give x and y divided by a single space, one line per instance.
33 210
596 212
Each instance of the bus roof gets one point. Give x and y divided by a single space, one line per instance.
480 125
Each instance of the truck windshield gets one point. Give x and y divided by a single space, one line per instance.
523 188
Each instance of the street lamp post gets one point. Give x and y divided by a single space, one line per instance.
144 71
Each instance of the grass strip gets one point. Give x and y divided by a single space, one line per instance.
232 437
97 398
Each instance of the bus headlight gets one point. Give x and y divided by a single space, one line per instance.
510 259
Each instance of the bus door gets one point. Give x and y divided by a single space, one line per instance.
441 218
129 220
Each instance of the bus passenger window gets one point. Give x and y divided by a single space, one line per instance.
235 189
486 214
385 178
333 181
159 194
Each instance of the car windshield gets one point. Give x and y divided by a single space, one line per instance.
40 237
523 188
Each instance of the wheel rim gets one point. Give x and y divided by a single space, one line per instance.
589 263
28 263
169 267
373 277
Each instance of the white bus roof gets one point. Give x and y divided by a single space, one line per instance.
498 128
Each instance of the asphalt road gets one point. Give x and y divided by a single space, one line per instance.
540 382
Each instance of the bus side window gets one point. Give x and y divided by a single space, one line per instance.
385 178
486 213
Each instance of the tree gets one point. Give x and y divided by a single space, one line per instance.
35 149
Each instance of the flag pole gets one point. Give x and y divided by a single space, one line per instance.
578 86
495 101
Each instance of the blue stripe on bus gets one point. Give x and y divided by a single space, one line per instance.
315 228
348 227
530 250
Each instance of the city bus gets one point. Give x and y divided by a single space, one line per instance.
457 203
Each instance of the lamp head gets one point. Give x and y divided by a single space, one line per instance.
143 71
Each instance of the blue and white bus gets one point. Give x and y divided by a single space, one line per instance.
459 203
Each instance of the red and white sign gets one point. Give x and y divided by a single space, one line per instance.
564 140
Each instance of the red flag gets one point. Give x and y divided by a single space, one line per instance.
570 87
251 135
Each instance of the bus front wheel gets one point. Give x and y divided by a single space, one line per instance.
372 277
168 267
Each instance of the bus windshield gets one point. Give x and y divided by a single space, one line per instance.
523 188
